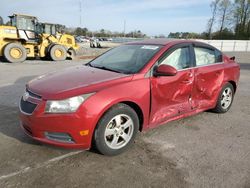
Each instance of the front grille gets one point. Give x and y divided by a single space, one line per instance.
33 94
27 106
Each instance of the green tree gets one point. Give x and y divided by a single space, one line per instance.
211 22
224 13
81 31
242 18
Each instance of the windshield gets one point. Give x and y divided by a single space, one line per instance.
127 59
25 23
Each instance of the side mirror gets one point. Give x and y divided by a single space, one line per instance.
164 70
232 58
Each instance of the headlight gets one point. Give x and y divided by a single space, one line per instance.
66 106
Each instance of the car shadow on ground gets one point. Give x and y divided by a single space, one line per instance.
10 125
9 111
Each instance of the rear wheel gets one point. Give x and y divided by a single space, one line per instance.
15 53
58 53
225 99
116 130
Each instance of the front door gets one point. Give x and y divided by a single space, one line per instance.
171 95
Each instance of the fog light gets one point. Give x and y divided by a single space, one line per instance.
59 137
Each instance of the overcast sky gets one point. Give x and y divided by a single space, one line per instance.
152 17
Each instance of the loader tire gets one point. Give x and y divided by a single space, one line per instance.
72 54
58 53
14 53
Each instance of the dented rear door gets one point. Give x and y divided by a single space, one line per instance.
209 76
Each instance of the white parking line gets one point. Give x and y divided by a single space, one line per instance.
6 84
28 169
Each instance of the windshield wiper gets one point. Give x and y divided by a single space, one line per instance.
104 68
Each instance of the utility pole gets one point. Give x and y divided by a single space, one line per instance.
124 28
80 11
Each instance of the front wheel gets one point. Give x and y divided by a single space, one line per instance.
225 99
58 53
116 130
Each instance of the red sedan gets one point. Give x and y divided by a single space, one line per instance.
130 88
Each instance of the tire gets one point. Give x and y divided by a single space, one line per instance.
120 125
15 53
72 54
225 99
58 53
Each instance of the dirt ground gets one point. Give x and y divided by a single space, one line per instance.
206 150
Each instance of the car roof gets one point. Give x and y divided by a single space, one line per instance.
160 41
165 41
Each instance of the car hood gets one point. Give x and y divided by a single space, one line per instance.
74 81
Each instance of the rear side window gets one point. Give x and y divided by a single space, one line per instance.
204 56
179 58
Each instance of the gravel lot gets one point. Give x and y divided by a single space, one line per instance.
206 150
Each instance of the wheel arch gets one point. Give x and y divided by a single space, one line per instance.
6 42
131 104
233 84
138 111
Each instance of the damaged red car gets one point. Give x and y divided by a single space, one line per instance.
131 88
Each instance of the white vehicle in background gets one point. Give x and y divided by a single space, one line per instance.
82 39
95 43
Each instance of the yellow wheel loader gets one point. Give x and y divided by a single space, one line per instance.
23 39
53 34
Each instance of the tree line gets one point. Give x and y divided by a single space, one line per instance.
232 19
105 33
229 20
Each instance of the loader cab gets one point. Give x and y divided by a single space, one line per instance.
50 29
26 26
1 20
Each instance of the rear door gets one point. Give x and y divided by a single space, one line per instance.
170 95
209 75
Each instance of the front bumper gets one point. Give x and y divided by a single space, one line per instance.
63 130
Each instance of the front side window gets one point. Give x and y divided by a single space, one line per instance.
204 56
179 59
128 59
